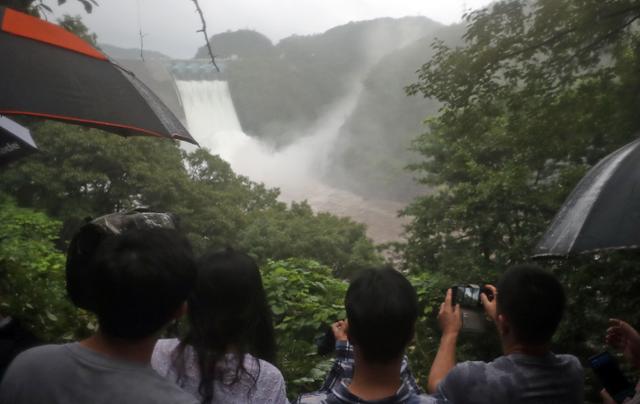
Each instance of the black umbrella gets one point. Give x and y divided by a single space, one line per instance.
602 212
48 72
15 141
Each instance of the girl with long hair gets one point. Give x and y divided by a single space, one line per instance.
227 352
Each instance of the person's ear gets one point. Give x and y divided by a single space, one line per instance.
412 336
181 311
503 325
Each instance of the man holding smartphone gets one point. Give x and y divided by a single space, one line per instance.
527 307
623 337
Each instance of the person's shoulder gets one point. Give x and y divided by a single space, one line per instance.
166 392
464 375
424 399
40 355
146 386
569 360
166 345
49 349
313 398
268 371
162 355
571 366
163 349
40 366
470 367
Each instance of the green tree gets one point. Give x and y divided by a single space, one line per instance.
32 283
538 94
81 173
220 202
519 125
305 299
280 233
74 24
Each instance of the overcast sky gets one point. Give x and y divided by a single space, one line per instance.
170 25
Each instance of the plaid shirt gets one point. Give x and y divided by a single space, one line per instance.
340 394
342 369
334 389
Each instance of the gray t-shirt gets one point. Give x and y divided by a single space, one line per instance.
73 374
516 378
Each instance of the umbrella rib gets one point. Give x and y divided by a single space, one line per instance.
82 120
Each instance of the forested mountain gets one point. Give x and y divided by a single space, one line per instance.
279 90
131 53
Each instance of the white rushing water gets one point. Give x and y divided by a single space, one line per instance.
296 169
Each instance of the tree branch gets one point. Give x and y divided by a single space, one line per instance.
556 37
206 37
608 36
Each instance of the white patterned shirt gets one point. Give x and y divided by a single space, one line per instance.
263 384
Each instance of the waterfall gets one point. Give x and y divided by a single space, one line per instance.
212 120
297 169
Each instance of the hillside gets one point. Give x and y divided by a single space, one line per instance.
116 52
280 89
373 148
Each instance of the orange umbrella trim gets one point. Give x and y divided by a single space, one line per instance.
26 26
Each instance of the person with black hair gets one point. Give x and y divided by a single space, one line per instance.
228 351
138 282
343 364
382 309
527 308
14 338
623 337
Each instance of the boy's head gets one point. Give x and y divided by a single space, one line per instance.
532 302
132 269
139 281
88 239
382 308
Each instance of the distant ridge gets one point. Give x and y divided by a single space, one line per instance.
116 52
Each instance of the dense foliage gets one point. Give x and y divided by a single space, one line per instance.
32 284
305 299
538 94
81 173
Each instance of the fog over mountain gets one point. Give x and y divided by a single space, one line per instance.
323 117
170 25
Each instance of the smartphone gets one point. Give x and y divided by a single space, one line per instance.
468 297
606 368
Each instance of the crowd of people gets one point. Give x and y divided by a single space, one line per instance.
136 272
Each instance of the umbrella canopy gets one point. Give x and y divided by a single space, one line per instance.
51 73
602 212
15 141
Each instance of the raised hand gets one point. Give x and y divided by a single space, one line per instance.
490 306
625 338
339 329
449 316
